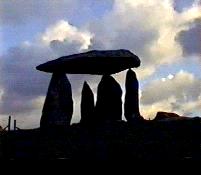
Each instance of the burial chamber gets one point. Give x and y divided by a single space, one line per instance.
58 106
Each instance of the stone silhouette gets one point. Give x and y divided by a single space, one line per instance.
131 104
87 105
93 62
109 103
168 116
58 106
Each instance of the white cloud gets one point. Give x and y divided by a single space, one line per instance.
170 76
64 32
176 93
183 86
149 111
146 27
188 109
190 14
145 71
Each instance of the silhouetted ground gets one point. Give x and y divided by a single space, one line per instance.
148 140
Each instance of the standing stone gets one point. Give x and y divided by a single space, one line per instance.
87 105
131 105
109 103
58 107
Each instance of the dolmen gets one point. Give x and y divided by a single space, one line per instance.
58 106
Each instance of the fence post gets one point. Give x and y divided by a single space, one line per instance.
9 123
15 125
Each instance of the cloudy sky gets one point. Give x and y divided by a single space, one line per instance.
165 34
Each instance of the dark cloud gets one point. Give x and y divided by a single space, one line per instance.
22 83
111 33
191 39
24 87
181 5
63 47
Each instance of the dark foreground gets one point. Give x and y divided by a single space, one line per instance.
145 140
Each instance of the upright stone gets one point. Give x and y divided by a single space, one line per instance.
131 104
58 107
87 105
109 103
